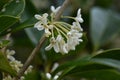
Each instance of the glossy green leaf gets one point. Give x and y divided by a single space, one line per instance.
14 8
27 17
107 74
26 24
80 62
112 54
6 22
108 62
5 66
28 20
104 26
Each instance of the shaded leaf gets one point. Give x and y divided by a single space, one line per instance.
34 75
104 26
14 8
2 3
6 22
5 66
107 62
79 62
112 54
26 24
98 74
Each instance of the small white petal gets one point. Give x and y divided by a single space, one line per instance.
11 58
76 26
78 17
45 15
59 38
37 16
56 47
55 77
78 12
52 8
55 10
48 75
64 49
80 40
55 66
39 26
49 47
48 33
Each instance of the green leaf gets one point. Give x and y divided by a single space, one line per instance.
34 75
79 62
108 62
5 66
107 74
4 43
6 22
27 18
104 3
112 54
2 3
28 23
104 26
14 8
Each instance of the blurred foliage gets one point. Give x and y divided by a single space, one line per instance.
95 59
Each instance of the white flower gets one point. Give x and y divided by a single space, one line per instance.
43 19
78 18
77 26
43 24
10 55
16 65
74 38
62 44
55 10
53 44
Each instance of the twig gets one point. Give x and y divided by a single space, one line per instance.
31 57
63 7
39 45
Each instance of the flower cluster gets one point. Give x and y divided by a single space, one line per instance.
17 65
63 36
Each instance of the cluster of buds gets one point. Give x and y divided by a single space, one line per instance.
17 65
63 36
55 77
